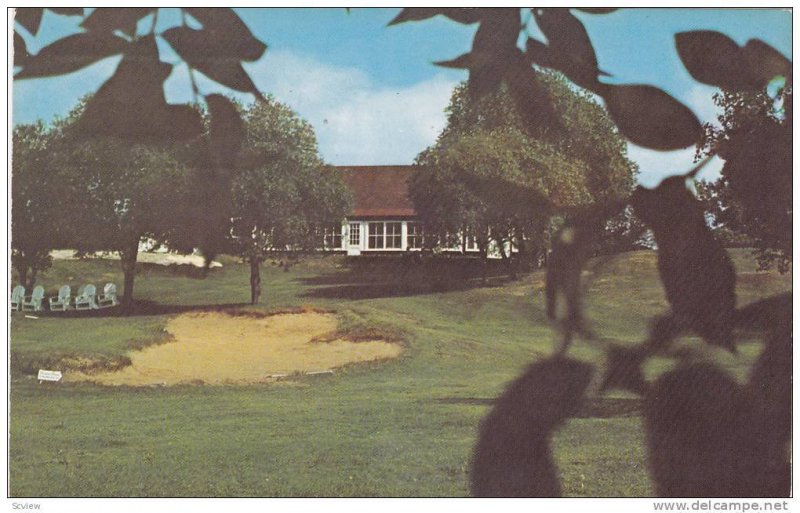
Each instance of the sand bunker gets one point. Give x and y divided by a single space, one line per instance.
217 348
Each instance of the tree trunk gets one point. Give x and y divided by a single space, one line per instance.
255 280
127 258
22 271
32 279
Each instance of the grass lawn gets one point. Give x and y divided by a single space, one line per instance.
403 427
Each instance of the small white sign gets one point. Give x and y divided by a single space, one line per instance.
47 375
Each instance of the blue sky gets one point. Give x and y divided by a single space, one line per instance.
372 92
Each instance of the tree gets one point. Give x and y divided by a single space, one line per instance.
754 133
488 175
120 194
282 195
38 203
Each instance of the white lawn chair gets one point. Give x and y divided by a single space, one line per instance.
61 302
109 296
86 298
34 303
17 297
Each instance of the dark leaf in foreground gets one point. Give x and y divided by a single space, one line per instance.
650 117
697 274
494 49
110 20
765 62
532 99
226 29
131 103
597 10
21 55
465 15
72 53
226 131
201 50
67 11
623 369
714 58
569 42
704 438
29 17
513 457
463 61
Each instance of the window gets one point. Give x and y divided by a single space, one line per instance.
375 240
415 235
355 234
394 235
333 236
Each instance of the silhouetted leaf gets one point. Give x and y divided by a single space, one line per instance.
698 276
539 53
21 55
706 438
650 117
131 103
512 457
415 14
465 15
67 11
463 61
623 369
570 44
597 10
29 17
494 49
765 62
72 53
531 98
202 51
226 131
227 30
714 58
123 19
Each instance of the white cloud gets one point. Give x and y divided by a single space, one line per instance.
357 121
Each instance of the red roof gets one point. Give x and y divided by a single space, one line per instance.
379 191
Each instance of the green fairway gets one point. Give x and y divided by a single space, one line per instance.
403 427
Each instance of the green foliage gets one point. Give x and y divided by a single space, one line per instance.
752 200
281 194
488 173
38 203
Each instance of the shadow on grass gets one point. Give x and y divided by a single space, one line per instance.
354 287
595 407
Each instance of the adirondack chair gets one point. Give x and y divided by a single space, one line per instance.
34 302
109 296
17 296
61 302
86 298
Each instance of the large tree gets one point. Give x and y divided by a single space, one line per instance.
752 199
491 175
282 194
120 194
39 203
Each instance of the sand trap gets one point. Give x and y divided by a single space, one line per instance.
217 348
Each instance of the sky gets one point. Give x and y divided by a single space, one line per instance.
374 95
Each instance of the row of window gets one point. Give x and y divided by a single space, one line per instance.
380 235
